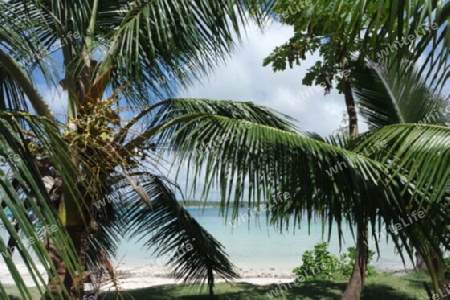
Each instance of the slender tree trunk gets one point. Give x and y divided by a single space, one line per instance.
77 81
351 107
211 282
356 283
73 284
75 220
54 288
76 283
53 185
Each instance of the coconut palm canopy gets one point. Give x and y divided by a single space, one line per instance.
58 174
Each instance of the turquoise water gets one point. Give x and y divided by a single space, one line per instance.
253 246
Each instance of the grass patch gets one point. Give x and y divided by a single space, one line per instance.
383 286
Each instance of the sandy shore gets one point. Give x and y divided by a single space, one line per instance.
128 279
143 282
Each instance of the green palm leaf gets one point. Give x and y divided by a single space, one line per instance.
11 94
169 229
393 22
149 47
386 98
260 157
423 150
22 193
19 76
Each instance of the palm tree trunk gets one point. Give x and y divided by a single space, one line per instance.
74 223
55 189
351 107
211 282
75 220
53 286
75 284
356 283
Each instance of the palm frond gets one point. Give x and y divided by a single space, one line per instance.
23 81
23 192
30 35
395 94
175 110
312 175
11 95
233 161
171 231
51 21
391 24
246 111
147 44
421 149
421 154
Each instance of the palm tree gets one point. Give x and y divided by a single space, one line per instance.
157 47
336 65
266 161
399 96
366 30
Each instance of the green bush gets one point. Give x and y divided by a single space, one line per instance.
347 261
320 264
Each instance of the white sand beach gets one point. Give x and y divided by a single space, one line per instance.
134 279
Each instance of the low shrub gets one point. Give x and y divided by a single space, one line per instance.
321 264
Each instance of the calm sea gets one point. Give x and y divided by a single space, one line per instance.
253 245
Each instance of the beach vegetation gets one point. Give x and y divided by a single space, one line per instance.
331 267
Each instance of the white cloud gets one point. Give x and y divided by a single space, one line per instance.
56 99
243 78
